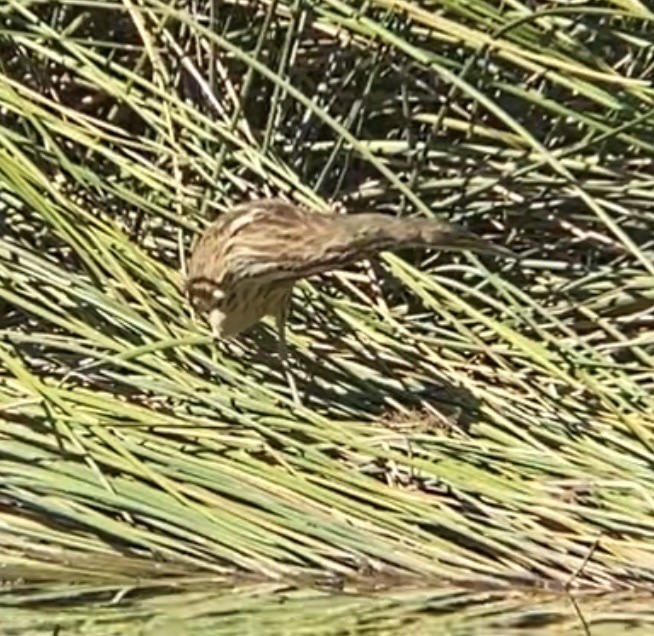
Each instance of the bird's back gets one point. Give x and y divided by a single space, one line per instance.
231 246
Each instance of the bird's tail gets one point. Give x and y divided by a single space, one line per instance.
309 244
336 241
378 232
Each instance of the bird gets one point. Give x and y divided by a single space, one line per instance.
245 264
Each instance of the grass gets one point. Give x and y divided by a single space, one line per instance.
272 607
465 420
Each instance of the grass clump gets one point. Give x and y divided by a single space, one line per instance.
467 421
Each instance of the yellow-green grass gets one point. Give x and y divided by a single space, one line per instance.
464 419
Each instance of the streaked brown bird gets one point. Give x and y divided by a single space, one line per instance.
245 264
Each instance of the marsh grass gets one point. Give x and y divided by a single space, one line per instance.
465 419
277 608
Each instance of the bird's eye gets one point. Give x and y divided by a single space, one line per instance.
203 296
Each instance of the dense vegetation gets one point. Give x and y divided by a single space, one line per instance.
465 419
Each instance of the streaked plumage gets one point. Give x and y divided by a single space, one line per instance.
245 264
